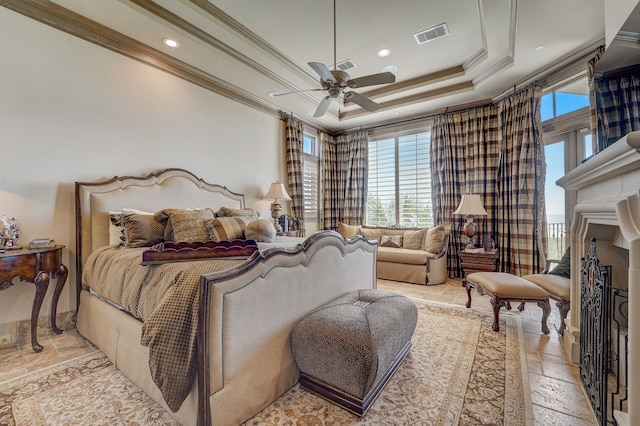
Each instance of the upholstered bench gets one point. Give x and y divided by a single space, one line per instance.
348 349
505 288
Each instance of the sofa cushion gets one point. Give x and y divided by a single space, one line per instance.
371 233
402 255
348 231
434 237
413 239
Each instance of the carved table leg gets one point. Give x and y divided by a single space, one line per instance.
61 275
546 310
42 283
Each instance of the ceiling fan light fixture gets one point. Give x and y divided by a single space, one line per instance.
384 52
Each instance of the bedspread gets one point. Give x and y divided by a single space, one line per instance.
166 298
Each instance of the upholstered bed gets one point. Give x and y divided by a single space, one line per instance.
245 305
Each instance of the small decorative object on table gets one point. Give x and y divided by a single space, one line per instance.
9 234
41 243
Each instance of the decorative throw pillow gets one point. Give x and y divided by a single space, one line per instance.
563 268
141 230
116 228
189 225
227 228
371 233
261 230
348 231
413 239
391 241
229 212
433 240
162 216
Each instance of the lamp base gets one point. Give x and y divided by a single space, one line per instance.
470 232
275 214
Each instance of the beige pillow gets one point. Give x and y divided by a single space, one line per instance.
413 239
229 212
433 240
348 231
189 225
227 228
261 230
371 233
141 230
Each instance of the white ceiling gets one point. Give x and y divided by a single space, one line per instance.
248 48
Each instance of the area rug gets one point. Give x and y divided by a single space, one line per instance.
458 372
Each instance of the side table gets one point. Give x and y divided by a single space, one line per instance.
483 261
36 266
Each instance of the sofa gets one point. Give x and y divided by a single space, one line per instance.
413 255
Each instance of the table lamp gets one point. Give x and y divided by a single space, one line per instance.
470 206
276 192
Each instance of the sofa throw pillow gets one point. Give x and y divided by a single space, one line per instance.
433 239
227 228
141 230
348 231
189 225
261 230
371 233
563 268
394 241
413 239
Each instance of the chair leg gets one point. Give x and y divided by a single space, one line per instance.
563 307
521 306
497 303
546 310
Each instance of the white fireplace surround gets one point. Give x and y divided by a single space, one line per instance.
608 197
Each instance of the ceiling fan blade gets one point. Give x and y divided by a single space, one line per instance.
370 80
322 71
322 108
363 101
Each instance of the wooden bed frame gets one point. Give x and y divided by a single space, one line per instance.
246 313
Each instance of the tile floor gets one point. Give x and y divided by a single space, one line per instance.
556 392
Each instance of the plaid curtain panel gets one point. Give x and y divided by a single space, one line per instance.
344 170
617 102
295 162
495 151
593 120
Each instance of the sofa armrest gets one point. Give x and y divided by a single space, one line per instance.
437 266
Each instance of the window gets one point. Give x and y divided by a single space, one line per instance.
399 181
568 97
310 176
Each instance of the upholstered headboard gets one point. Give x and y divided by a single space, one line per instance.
169 188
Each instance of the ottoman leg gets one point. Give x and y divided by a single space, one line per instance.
563 307
468 286
497 303
546 310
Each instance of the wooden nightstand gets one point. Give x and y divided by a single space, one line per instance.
37 267
484 261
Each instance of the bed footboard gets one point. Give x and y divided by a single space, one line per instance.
247 314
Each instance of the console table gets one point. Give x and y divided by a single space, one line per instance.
36 266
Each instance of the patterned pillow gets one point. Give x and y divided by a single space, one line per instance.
563 268
433 240
413 240
227 228
116 228
229 212
189 225
141 230
391 241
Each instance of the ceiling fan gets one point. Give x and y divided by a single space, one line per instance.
336 81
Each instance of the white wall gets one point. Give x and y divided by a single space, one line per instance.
616 13
72 111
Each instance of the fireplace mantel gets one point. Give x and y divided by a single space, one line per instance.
608 193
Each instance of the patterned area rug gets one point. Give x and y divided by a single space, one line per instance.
458 372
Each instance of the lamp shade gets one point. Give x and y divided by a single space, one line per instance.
470 205
277 192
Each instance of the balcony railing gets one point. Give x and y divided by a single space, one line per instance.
557 240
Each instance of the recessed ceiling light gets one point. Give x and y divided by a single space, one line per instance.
390 68
540 47
273 94
170 42
384 52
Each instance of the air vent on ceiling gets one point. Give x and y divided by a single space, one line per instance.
432 33
345 65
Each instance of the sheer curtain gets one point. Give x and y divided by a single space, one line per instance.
295 163
344 177
495 151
